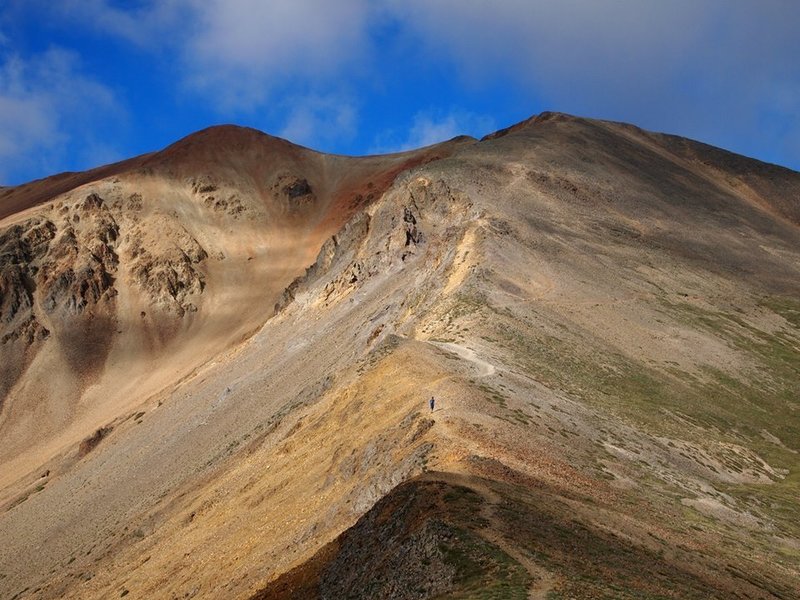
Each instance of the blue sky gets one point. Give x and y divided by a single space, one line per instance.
87 82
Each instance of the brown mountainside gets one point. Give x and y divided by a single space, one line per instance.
128 282
216 362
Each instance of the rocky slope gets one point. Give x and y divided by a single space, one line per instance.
123 284
607 317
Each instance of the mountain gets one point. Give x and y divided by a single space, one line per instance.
147 269
217 361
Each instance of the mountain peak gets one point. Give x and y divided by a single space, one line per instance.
241 368
537 119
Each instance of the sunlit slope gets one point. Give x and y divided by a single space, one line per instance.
121 286
608 320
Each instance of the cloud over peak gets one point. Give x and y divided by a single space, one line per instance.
242 51
46 101
347 75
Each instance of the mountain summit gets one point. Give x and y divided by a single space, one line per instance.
217 362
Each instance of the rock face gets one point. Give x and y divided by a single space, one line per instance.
116 269
21 246
336 252
172 279
217 199
413 235
58 273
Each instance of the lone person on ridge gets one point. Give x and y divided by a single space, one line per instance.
432 401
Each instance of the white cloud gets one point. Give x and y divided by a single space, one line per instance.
708 69
564 47
48 108
241 50
152 24
429 127
318 119
426 131
713 70
240 54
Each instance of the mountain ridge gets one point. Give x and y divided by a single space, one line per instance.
609 326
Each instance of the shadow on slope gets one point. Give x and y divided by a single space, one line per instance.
450 536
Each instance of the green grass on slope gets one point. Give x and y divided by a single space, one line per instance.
594 564
767 399
482 571
709 408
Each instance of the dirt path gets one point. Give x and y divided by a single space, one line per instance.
543 580
485 369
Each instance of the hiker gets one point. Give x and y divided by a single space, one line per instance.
432 401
